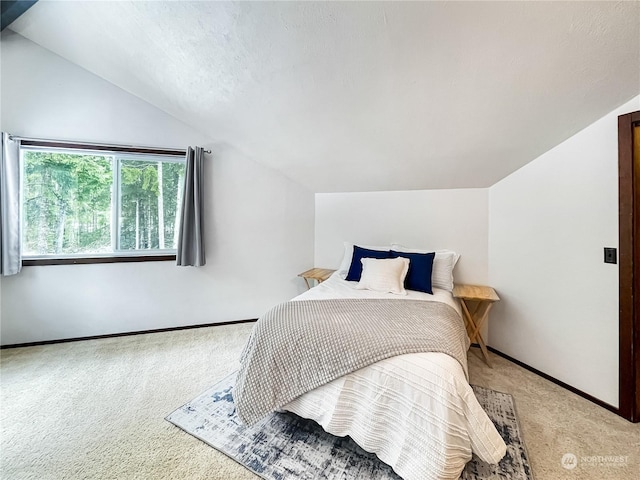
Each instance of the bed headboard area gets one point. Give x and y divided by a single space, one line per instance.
422 219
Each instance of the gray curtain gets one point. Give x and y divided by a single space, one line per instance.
10 252
191 234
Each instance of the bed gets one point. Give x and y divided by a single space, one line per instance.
416 411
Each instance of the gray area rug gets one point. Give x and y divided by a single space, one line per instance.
284 446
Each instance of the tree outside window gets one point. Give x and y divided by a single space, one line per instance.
84 204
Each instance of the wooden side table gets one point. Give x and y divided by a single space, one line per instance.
474 319
317 274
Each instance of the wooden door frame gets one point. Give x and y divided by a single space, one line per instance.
629 267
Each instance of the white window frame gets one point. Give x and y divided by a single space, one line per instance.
118 154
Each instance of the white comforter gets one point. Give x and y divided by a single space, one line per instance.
416 412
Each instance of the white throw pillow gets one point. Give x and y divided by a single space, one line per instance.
443 264
384 275
348 255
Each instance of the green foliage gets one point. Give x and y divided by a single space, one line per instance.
68 206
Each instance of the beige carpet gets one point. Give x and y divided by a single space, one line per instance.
95 410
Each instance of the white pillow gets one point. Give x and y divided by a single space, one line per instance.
443 264
384 275
348 255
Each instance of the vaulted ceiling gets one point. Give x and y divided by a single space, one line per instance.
362 96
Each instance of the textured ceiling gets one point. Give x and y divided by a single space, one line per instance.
362 96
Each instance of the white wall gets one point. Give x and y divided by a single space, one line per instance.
259 224
452 219
549 222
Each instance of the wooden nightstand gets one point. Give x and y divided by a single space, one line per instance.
474 319
317 274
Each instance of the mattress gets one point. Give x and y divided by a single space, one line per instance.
416 412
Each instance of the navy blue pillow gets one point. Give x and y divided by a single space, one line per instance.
420 268
355 270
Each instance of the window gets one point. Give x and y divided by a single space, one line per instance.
91 203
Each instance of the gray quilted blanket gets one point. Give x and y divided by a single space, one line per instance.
300 345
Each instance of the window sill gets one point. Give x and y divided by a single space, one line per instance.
32 262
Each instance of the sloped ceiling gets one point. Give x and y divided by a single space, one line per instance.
363 96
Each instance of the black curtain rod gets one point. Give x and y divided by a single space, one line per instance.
40 142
